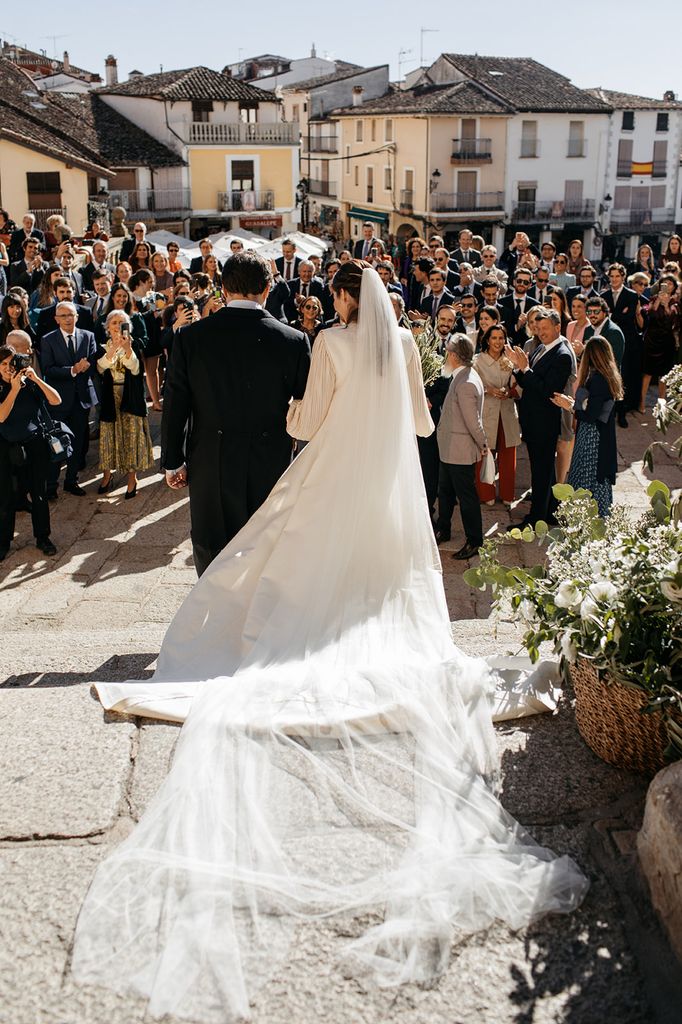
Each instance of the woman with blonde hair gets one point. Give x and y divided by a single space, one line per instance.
124 440
599 386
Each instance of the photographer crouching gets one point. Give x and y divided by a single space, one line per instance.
23 444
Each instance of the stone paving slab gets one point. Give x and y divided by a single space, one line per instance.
74 780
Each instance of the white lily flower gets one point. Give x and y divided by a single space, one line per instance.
567 595
604 592
526 610
588 608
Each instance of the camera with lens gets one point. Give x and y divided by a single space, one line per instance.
20 362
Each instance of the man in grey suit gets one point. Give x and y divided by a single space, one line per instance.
461 443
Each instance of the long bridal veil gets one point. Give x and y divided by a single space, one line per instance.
337 754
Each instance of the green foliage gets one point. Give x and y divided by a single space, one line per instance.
608 590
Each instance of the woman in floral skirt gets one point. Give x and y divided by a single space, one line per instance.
599 386
124 441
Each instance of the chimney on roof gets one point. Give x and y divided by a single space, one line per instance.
357 95
135 74
669 95
66 62
313 51
111 70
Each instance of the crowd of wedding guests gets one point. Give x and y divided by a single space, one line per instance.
539 346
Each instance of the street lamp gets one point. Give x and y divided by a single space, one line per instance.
435 178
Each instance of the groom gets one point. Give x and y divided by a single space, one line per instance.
229 381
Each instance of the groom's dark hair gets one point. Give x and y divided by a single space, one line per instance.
246 273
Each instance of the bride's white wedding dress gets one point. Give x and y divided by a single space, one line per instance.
335 756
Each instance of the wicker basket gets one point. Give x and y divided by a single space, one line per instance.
610 720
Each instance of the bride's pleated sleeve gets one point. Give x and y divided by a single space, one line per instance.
307 414
423 424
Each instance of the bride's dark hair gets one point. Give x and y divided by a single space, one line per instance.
349 277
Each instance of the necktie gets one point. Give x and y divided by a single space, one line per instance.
287 273
72 347
541 297
518 307
365 249
304 291
537 355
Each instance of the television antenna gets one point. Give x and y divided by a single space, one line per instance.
54 39
422 33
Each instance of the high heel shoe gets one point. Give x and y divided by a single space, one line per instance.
131 494
106 488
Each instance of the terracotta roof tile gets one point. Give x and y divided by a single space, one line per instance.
198 83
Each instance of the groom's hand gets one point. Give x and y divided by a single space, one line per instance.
177 478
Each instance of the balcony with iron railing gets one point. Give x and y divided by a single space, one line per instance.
42 216
277 133
554 210
321 144
322 188
471 151
406 200
163 203
466 202
246 201
652 219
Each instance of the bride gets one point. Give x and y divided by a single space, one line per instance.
337 751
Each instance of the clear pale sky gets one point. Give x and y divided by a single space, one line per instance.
619 44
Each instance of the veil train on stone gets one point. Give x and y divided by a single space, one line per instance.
338 753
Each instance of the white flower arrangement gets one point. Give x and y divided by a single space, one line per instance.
610 591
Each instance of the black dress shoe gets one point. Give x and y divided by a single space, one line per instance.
104 489
521 525
23 506
442 536
75 489
51 495
46 546
468 551
131 494
622 421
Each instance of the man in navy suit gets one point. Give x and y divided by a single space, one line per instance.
47 323
467 285
442 258
439 296
18 237
465 253
542 376
98 261
27 271
587 277
67 358
515 307
363 247
288 263
301 287
206 249
74 276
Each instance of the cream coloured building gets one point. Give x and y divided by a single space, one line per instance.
239 159
427 159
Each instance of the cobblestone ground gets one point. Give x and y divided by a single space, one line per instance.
74 780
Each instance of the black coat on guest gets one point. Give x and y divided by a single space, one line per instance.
229 381
316 287
19 276
600 403
278 299
473 257
507 308
47 320
15 249
127 246
132 398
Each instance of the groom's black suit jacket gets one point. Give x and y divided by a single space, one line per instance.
229 381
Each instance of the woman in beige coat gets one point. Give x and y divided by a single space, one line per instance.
500 418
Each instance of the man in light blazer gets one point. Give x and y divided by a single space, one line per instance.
68 357
461 443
